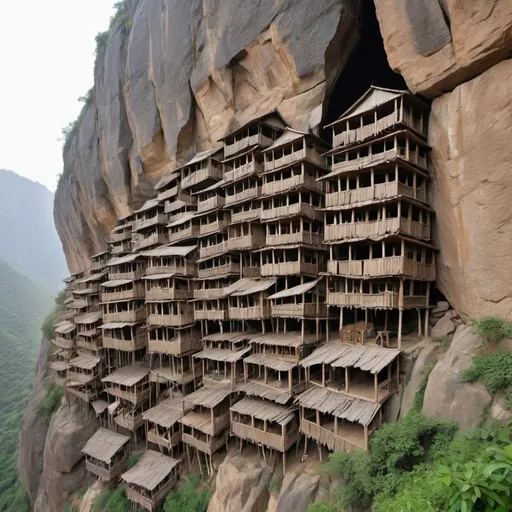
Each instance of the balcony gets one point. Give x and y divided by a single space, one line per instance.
378 192
159 218
84 378
289 268
125 345
209 448
207 173
63 342
133 275
210 204
213 227
352 441
244 170
303 209
270 440
221 270
125 316
249 313
211 314
163 441
134 293
244 195
188 268
189 232
157 496
246 242
209 293
300 237
135 397
246 215
104 473
376 228
129 421
87 395
251 140
299 310
295 156
119 237
364 132
302 180
167 194
213 250
168 294
122 248
153 239
382 267
169 320
174 348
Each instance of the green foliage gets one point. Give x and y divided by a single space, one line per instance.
190 498
23 306
493 329
395 450
133 459
50 403
100 501
494 370
48 325
274 486
419 396
321 506
112 501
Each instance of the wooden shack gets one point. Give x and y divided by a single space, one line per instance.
65 335
131 267
175 259
99 261
106 454
83 377
120 239
163 427
184 229
202 171
88 335
151 479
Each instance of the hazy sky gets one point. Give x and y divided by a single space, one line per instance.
46 63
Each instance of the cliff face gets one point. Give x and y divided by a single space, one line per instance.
183 75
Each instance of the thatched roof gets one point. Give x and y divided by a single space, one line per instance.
336 404
85 361
166 413
151 469
128 375
263 410
208 397
273 363
262 391
219 354
104 444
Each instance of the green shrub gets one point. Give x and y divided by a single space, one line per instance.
100 501
50 403
48 325
112 501
321 506
133 459
419 396
274 486
494 370
493 329
188 499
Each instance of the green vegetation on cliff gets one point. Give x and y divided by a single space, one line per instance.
22 308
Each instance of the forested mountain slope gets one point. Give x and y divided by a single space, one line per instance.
23 305
28 240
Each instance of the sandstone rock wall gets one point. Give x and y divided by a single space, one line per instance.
185 73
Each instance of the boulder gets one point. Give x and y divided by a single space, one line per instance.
499 409
470 133
241 485
426 356
298 491
446 397
440 309
64 468
443 327
437 45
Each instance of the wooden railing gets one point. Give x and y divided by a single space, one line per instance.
133 397
249 313
231 267
150 503
243 171
247 194
188 269
137 343
304 209
206 173
298 310
135 293
328 438
274 187
113 275
178 320
167 194
252 140
173 347
168 294
375 228
124 248
94 345
257 436
303 153
86 396
375 193
106 474
155 438
345 267
289 268
98 265
210 293
80 377
210 204
118 237
363 300
203 446
159 218
129 421
213 250
211 314
63 342
246 242
304 237
189 232
153 239
125 316
246 215
213 227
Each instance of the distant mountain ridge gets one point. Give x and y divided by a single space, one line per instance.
28 239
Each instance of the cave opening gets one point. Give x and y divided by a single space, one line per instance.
367 65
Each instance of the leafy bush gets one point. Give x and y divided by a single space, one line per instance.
494 370
112 501
133 459
493 329
321 506
419 396
48 325
189 499
50 402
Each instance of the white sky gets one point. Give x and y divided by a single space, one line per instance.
46 63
